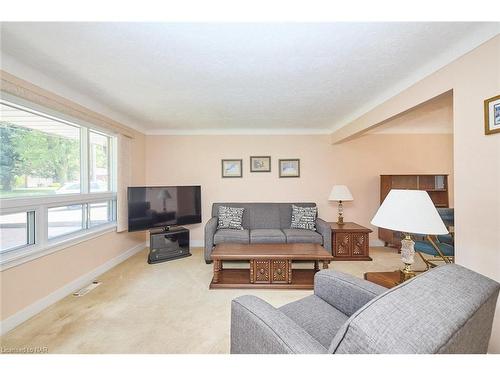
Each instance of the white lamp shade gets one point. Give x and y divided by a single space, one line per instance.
340 193
409 211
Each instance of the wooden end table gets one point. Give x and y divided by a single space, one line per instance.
385 279
270 265
350 241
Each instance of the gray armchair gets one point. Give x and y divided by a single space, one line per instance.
448 309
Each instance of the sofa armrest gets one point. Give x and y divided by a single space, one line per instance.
345 292
210 229
259 328
323 228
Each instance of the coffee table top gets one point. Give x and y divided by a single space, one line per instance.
294 251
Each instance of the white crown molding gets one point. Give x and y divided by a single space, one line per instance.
287 131
21 316
466 46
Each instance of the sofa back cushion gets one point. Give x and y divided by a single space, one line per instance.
448 309
264 215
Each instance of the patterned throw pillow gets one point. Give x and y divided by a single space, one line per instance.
230 218
304 217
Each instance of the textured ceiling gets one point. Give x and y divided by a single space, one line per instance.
287 77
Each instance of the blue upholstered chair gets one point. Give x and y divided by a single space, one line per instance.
437 248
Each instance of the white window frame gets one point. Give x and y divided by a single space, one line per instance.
41 204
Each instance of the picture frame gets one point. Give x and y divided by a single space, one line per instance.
232 168
492 115
289 168
260 164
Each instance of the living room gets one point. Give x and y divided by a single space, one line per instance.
162 209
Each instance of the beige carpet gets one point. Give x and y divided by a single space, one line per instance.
162 308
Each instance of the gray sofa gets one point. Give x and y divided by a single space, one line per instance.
448 309
265 223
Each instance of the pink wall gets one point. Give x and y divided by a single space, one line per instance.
473 78
29 282
179 160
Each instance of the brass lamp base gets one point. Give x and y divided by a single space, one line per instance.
406 273
407 256
340 219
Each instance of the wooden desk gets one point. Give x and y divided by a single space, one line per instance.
350 241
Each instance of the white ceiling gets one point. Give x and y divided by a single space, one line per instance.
233 78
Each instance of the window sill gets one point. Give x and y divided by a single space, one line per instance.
26 254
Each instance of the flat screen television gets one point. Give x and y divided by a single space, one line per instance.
163 206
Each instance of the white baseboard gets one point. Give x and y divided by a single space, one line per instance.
21 316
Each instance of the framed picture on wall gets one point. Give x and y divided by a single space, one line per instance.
260 164
492 115
289 167
232 168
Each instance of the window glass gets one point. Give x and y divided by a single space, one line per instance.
98 162
100 213
64 220
14 230
39 156
47 157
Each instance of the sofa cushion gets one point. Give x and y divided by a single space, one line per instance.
267 236
317 317
265 216
304 217
231 236
230 217
302 236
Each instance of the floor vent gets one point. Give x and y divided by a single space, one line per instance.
87 289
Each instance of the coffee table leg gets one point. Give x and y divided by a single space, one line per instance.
289 271
325 264
217 268
316 266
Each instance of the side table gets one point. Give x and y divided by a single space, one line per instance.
385 279
350 242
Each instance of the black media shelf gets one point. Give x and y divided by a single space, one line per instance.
168 244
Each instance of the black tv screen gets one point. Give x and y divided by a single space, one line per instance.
163 206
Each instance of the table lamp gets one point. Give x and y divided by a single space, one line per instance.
409 211
340 193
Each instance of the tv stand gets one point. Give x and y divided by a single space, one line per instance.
168 243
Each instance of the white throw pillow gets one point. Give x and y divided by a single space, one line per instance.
304 217
230 218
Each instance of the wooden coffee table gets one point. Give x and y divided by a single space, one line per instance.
270 265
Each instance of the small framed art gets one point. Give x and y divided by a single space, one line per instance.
232 168
289 167
260 164
492 115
